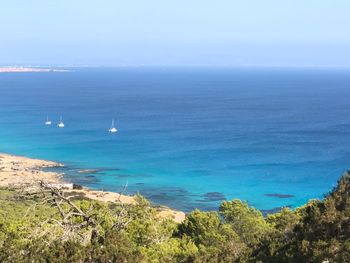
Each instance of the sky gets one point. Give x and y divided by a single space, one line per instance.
175 32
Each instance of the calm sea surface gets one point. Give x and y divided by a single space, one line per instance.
187 137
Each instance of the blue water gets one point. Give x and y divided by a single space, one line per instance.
187 137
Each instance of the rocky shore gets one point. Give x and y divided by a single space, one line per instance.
19 170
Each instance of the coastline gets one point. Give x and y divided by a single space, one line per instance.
29 69
18 170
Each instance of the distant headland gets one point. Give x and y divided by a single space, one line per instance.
13 69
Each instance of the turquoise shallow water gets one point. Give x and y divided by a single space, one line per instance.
187 137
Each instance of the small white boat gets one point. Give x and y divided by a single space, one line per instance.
48 122
113 129
60 124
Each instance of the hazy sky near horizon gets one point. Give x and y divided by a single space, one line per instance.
175 33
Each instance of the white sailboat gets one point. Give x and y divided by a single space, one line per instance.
48 122
113 129
60 124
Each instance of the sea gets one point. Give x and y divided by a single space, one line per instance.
187 137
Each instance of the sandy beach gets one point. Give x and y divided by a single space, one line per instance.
19 170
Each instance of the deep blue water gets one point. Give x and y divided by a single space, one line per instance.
187 137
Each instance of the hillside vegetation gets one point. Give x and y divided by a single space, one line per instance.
47 226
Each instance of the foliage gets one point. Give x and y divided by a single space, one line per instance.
33 230
316 232
216 241
246 221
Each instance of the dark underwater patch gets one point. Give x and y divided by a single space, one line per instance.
88 171
88 179
280 195
161 197
212 197
131 175
265 212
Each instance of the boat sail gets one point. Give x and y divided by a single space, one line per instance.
61 124
113 129
48 122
